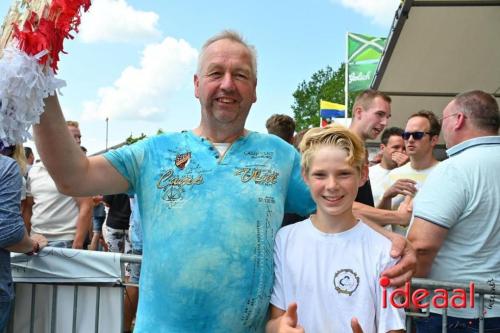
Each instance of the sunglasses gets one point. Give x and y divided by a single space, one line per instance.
415 135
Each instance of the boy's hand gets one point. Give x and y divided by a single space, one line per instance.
406 266
289 320
355 326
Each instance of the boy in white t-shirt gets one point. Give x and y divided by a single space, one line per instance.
327 268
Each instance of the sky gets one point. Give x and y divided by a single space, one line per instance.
133 61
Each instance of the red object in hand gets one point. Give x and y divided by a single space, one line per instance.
48 33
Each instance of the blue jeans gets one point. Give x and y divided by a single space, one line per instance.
97 223
4 314
432 324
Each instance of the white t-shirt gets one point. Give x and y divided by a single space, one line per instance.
54 214
333 277
405 172
221 147
378 177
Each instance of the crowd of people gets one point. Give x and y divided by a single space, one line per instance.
242 231
57 220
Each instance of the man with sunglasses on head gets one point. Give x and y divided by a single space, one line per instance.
420 136
456 229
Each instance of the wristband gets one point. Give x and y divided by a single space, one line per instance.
36 248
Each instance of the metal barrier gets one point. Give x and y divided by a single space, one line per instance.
67 306
480 290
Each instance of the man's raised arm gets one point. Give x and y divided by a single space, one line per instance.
73 173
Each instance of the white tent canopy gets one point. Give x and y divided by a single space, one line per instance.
437 49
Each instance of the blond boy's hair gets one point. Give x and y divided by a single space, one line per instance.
332 135
72 123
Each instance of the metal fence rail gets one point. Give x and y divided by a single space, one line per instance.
481 290
41 308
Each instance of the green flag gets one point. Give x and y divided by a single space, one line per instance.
360 76
363 56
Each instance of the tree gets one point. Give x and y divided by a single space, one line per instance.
130 140
325 84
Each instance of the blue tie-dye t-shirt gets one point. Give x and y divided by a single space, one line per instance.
208 227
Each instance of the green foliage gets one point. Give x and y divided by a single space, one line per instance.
325 84
130 140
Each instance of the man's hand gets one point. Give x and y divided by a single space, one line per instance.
356 327
97 199
406 206
40 239
405 209
405 268
289 320
403 187
78 244
400 158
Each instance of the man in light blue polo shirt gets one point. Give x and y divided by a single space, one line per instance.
456 230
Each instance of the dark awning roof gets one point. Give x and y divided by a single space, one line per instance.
437 49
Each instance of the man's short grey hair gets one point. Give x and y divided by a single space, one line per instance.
232 36
481 108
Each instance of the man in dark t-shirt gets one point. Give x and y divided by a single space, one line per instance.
370 114
117 222
365 195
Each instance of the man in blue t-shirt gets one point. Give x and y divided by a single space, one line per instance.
211 200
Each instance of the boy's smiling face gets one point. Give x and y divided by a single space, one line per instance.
333 182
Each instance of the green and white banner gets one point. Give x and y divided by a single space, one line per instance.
363 55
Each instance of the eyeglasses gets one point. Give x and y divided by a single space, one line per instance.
440 120
415 135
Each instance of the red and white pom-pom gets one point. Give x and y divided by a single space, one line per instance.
23 86
30 59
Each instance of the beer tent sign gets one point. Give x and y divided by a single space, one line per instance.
363 55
